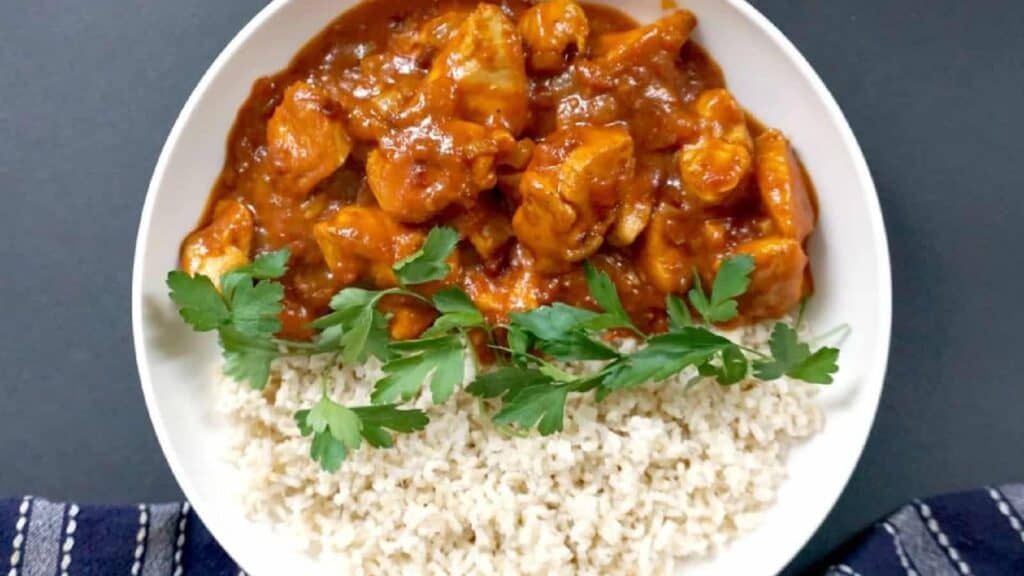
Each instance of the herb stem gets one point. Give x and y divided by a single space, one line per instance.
469 343
843 329
293 345
632 327
323 383
800 313
403 291
754 351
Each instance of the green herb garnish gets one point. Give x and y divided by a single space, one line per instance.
440 360
338 430
244 313
795 359
732 280
429 263
529 389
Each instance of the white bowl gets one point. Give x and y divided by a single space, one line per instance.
767 74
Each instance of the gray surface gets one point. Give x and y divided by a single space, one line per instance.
933 89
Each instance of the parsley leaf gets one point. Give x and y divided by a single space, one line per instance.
817 368
678 314
558 330
576 345
352 298
451 299
519 340
268 266
404 378
732 280
390 417
442 359
506 379
199 303
734 366
603 290
457 311
255 307
793 358
247 358
540 405
552 322
355 326
664 355
326 450
356 335
336 431
429 263
378 342
378 419
787 352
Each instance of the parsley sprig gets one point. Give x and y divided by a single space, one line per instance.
528 387
244 313
338 430
533 392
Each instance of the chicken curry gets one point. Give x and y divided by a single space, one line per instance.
546 134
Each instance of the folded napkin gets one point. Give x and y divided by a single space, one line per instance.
979 533
971 533
43 538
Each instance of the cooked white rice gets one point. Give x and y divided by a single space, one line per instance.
633 484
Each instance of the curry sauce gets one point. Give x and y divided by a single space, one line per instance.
546 134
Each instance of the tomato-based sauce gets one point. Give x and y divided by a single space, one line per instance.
546 134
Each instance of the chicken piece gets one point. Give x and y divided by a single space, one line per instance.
419 171
657 115
549 29
636 208
484 69
783 188
571 193
621 50
387 91
360 241
716 164
223 245
432 36
664 256
305 139
777 283
518 287
409 317
314 283
486 227
517 156
581 110
723 117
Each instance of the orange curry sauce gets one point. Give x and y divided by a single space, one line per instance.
546 134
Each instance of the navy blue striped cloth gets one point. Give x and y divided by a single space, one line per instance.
971 533
42 538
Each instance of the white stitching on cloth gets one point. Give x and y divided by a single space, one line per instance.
941 538
900 552
140 539
1004 509
19 535
179 541
69 540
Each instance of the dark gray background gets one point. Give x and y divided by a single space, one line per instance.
932 88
